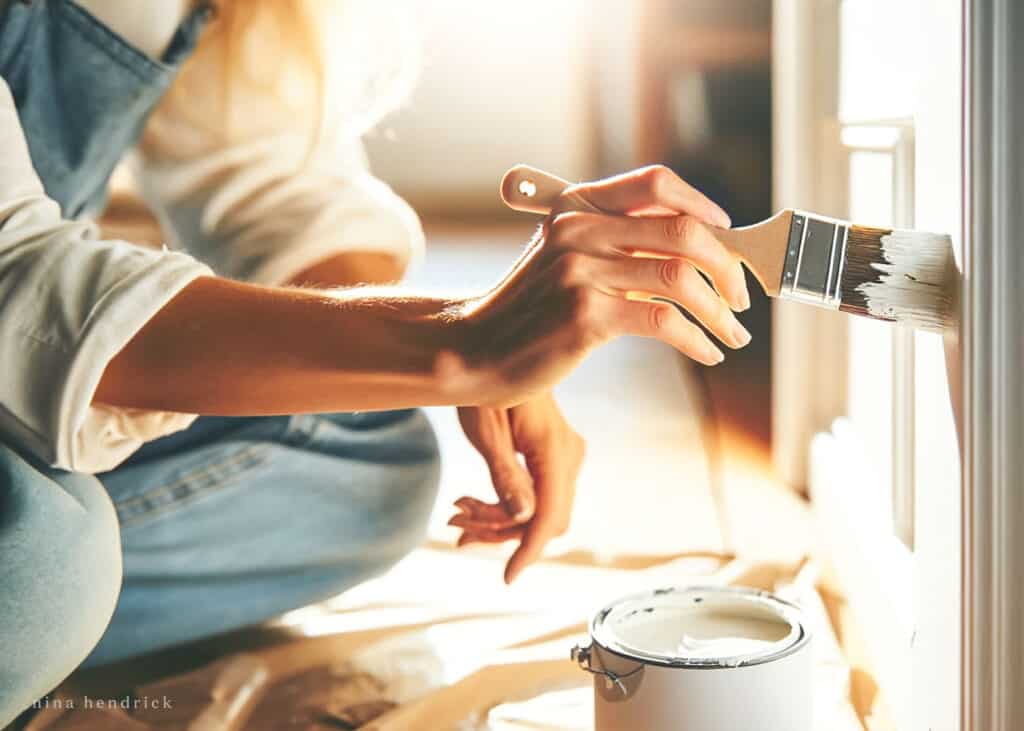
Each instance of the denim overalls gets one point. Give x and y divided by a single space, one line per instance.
226 524
82 93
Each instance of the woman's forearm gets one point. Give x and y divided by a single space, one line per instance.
223 347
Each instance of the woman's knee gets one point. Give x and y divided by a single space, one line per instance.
61 575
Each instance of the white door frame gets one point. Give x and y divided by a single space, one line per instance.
809 174
992 674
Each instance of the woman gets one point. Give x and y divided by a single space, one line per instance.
109 350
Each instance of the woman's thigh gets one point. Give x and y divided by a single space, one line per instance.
238 520
60 570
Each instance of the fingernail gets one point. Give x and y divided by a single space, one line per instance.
740 334
743 300
722 219
715 356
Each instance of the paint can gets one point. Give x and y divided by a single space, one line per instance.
700 659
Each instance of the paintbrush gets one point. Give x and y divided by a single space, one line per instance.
885 274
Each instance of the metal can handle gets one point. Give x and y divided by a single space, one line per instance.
581 656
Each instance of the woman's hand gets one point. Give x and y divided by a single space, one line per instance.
589 277
536 494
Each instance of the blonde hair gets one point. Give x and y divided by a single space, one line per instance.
279 48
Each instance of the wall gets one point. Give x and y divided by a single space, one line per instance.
501 83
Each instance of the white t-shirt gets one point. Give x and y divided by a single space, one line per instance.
241 201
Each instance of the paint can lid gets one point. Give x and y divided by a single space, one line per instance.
700 627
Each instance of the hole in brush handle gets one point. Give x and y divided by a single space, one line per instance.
528 189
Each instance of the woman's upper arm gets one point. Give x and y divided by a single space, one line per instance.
68 303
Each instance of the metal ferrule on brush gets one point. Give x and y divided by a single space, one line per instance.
814 260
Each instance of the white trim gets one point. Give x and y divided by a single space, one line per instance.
809 172
903 357
873 566
993 350
938 192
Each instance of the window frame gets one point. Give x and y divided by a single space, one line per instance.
991 350
866 518
895 138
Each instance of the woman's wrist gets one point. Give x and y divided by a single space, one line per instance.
393 349
438 342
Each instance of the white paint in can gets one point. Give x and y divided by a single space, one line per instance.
700 659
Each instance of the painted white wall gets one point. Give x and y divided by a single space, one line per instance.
937 513
808 173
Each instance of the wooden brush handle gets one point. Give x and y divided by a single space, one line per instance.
530 190
762 247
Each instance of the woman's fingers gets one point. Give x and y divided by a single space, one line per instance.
483 522
536 536
476 509
478 515
489 431
673 279
663 321
469 523
490 536
649 191
682 237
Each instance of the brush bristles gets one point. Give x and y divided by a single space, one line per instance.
863 251
904 276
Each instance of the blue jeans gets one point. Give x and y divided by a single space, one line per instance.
224 525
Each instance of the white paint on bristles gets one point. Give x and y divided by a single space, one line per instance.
917 282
